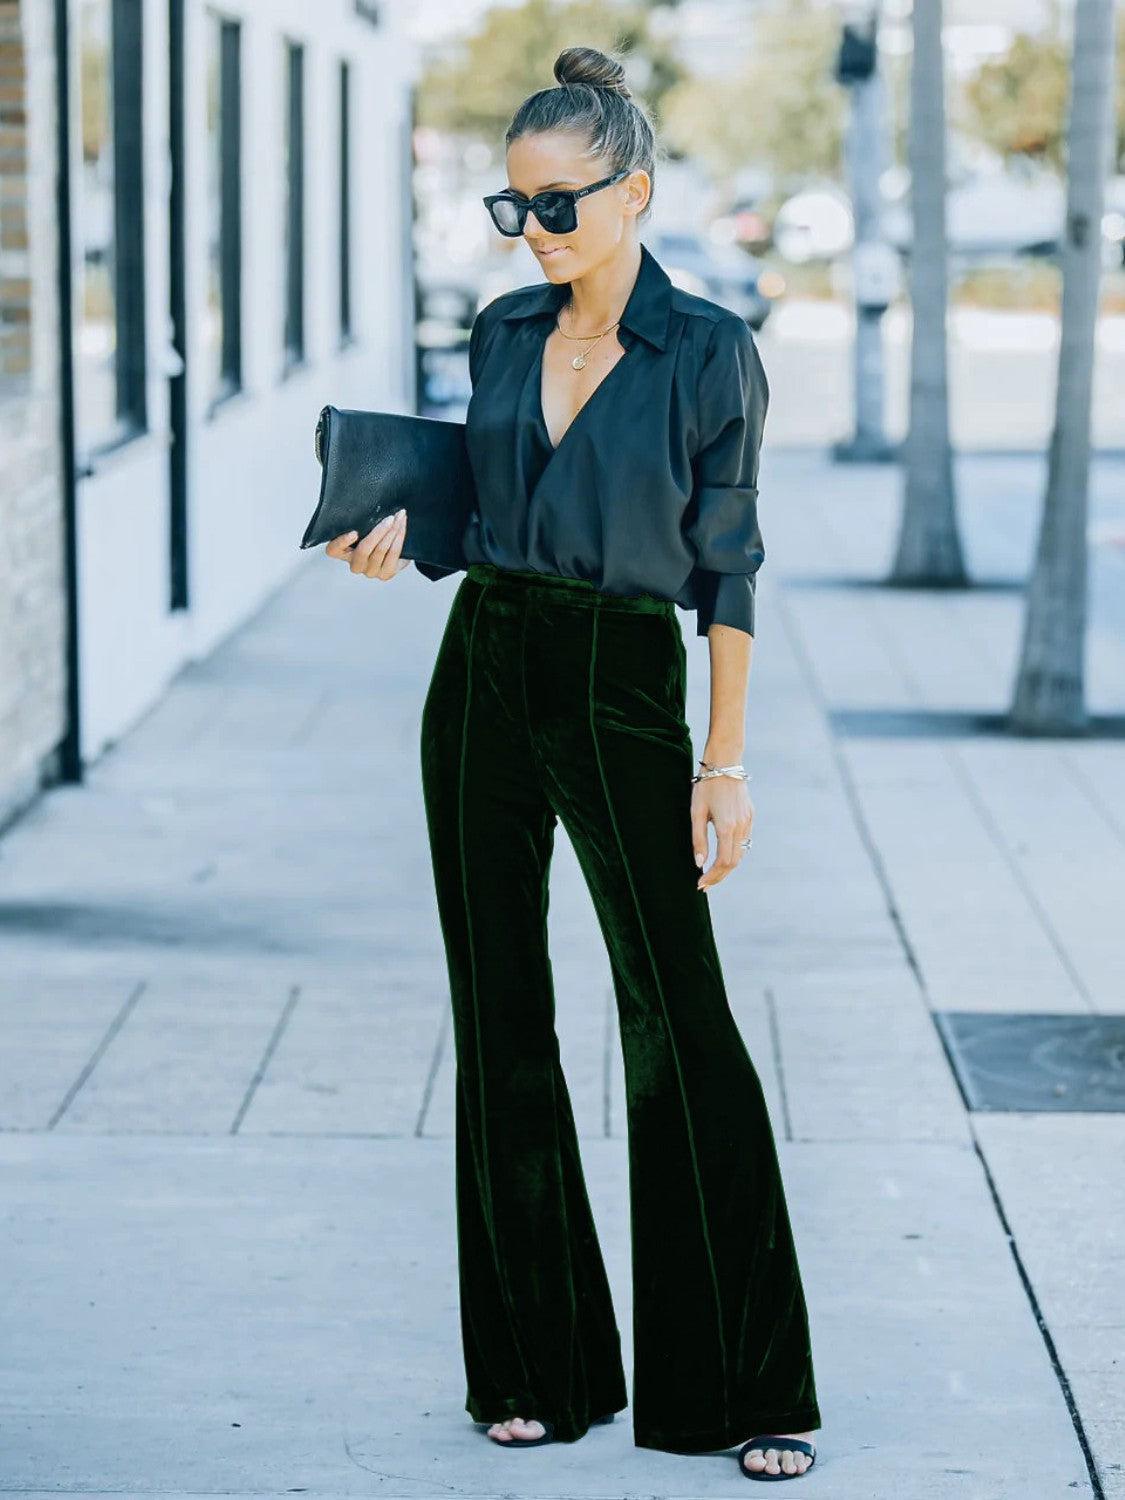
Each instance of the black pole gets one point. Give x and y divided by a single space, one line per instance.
410 211
69 751
179 582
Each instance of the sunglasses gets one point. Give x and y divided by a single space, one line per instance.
555 209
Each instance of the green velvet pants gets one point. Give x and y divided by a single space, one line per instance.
550 701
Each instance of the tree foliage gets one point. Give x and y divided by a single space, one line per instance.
782 110
1017 103
477 89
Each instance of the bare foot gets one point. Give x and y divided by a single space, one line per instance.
516 1427
778 1460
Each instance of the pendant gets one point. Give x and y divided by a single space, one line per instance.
579 361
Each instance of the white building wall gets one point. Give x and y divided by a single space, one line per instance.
252 474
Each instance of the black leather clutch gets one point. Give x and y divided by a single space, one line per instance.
373 463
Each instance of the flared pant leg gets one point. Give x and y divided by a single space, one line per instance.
721 1340
539 1333
572 708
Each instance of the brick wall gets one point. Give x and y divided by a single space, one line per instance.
32 579
15 299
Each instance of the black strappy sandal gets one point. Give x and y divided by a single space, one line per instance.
547 1436
766 1440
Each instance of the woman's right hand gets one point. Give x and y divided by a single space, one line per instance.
377 555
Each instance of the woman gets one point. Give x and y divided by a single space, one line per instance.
613 431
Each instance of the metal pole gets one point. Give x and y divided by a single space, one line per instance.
874 263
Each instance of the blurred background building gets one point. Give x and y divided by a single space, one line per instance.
193 199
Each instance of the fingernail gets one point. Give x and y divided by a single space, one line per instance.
699 860
399 515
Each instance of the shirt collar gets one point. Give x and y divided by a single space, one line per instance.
645 313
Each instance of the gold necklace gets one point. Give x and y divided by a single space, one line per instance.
579 360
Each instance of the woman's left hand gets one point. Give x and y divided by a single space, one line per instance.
724 801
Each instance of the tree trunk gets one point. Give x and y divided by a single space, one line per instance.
929 547
1049 695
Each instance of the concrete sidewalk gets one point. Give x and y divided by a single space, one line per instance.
226 1094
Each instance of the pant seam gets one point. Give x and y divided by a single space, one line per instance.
465 892
491 1216
663 1005
526 610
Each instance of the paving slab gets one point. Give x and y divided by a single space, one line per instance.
226 1314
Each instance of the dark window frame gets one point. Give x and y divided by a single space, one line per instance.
346 329
294 328
229 41
127 114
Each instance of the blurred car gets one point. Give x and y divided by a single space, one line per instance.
448 299
1113 221
816 223
1017 210
722 273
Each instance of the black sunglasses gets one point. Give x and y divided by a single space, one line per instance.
555 209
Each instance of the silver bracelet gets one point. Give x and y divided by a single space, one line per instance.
739 772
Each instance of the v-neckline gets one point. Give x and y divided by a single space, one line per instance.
554 448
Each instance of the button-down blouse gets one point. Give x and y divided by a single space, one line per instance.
653 486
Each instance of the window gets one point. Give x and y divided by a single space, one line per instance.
345 205
224 209
110 352
294 226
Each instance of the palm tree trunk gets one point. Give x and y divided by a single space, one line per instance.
1049 694
929 547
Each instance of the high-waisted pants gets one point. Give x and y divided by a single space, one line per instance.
553 701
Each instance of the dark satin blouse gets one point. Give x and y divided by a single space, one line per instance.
653 486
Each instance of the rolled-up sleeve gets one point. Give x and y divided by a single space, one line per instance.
733 396
434 571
